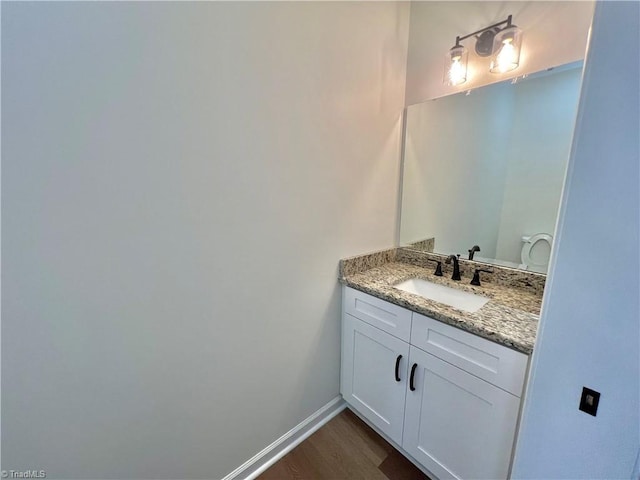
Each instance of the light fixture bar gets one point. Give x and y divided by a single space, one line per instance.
482 30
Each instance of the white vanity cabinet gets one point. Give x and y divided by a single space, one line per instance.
457 425
448 398
370 383
374 361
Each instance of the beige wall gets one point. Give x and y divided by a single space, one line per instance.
179 181
555 33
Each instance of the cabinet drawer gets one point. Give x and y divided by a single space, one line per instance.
383 315
498 365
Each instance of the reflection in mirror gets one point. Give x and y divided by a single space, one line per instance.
486 169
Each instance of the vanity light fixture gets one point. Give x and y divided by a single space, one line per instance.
502 44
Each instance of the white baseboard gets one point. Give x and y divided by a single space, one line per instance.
287 442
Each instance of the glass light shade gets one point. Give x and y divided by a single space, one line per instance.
455 66
506 48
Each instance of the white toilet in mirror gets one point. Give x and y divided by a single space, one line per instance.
536 250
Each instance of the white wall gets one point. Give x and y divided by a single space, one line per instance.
179 181
589 331
555 33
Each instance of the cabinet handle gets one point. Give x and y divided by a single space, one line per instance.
397 367
413 372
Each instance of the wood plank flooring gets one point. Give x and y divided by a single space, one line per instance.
345 448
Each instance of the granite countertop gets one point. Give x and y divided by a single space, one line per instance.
509 318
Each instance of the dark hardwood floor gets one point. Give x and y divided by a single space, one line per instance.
345 448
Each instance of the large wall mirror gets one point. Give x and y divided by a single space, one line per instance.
486 168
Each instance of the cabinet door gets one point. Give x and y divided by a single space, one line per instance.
457 425
369 382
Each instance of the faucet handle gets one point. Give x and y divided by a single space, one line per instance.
438 272
476 276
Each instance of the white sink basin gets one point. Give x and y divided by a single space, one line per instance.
469 302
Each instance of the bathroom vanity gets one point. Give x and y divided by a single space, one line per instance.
444 385
438 364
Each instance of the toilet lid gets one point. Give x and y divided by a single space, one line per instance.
536 250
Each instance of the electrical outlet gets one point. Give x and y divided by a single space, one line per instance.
589 401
